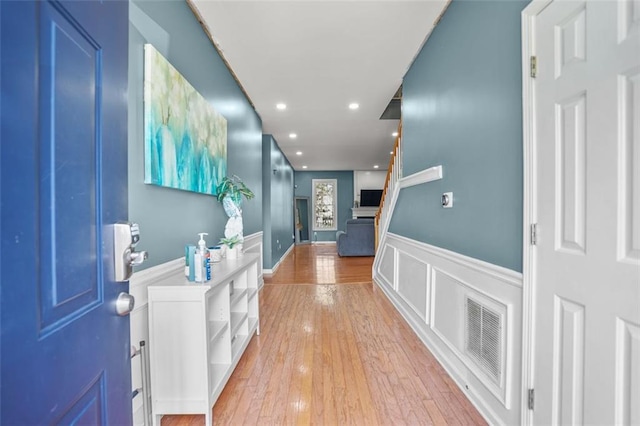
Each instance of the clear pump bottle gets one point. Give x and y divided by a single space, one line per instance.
201 260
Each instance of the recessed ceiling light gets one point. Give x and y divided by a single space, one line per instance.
375 166
304 167
293 135
354 106
391 152
298 152
394 134
281 106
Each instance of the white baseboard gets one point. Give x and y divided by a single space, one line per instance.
323 242
277 265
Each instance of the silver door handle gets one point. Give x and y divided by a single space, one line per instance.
124 304
125 238
136 257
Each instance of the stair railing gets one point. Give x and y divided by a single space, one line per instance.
394 173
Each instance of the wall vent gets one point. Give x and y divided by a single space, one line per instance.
484 338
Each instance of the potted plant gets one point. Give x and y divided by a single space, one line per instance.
234 188
232 245
230 193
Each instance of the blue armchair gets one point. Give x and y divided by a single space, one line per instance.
358 240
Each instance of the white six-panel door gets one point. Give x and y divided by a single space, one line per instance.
586 201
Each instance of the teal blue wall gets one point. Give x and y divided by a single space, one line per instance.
277 204
462 109
267 258
303 181
169 218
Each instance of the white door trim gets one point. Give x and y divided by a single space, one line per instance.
529 15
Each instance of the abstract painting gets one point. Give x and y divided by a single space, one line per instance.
185 138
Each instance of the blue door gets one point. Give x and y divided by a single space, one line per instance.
63 177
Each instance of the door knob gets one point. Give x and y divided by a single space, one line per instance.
125 304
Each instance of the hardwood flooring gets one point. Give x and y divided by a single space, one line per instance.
334 354
320 264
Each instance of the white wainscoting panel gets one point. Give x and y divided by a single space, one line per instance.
253 244
139 323
413 283
448 321
429 286
449 324
387 265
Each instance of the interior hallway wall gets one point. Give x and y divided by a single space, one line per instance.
171 218
277 205
303 188
462 109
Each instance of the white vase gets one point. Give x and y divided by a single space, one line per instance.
232 253
230 208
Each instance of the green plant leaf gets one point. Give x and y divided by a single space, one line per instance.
235 188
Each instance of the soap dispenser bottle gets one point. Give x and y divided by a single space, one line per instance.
201 261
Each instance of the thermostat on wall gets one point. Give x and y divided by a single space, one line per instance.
447 200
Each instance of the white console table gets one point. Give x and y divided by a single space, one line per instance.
197 334
364 212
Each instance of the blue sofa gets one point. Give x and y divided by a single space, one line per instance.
358 240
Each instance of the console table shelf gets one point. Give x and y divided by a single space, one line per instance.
197 334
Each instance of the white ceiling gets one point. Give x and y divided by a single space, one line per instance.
318 57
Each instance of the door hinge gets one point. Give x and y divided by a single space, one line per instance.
531 398
534 66
534 234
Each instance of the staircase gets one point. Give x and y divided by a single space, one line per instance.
390 191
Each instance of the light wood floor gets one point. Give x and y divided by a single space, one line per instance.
320 264
334 354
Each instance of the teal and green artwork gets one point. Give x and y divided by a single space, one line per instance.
185 137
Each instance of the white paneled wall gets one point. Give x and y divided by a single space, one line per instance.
139 324
430 286
253 244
